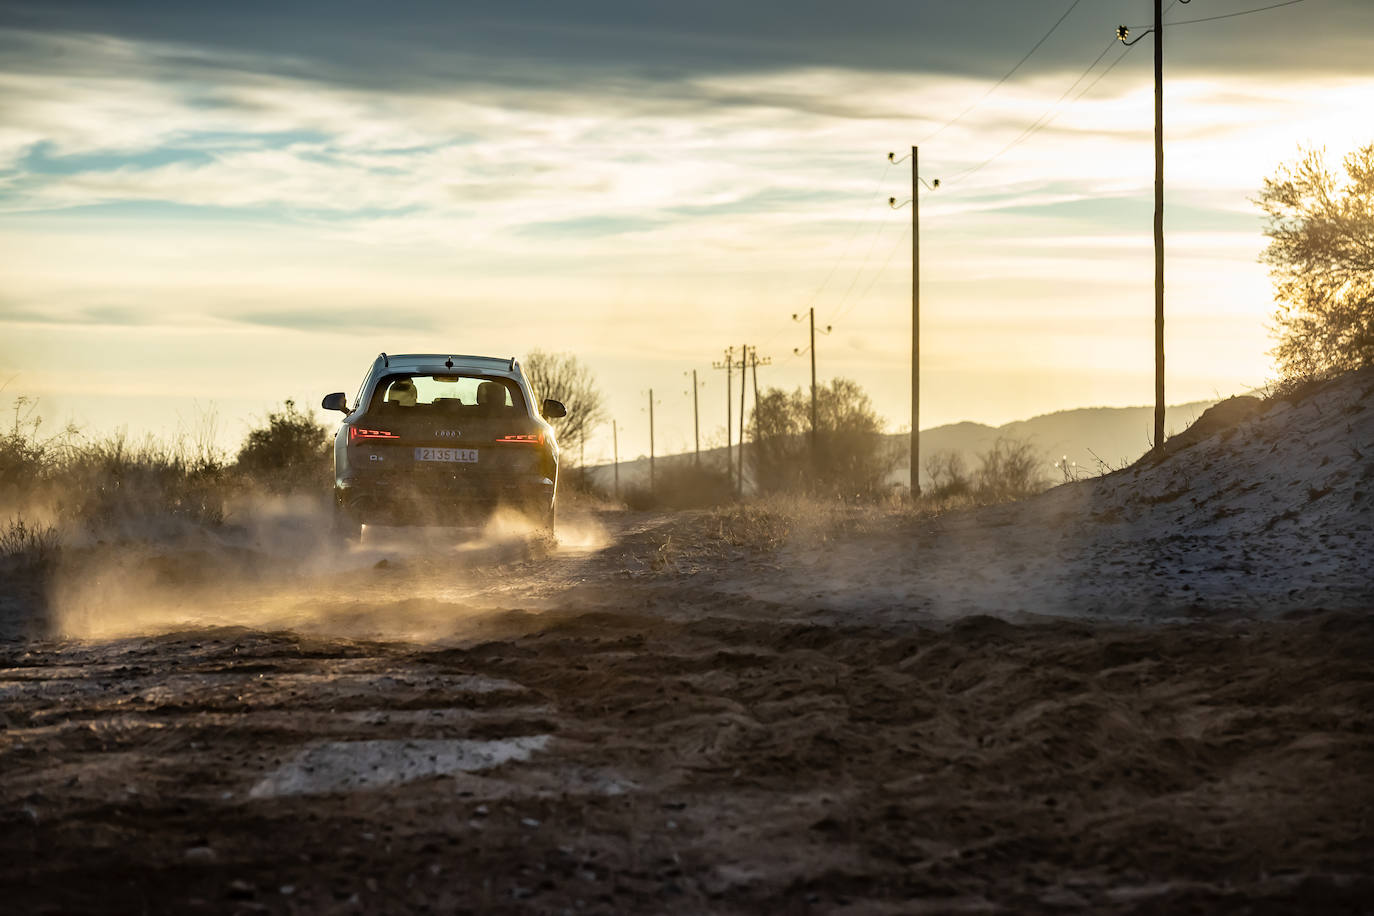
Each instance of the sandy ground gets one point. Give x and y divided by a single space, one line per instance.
1146 693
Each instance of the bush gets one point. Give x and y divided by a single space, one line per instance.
111 483
1321 255
26 543
948 475
683 485
850 457
293 452
104 486
1010 470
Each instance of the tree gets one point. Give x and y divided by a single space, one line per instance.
948 474
561 377
1010 470
293 451
1321 256
852 458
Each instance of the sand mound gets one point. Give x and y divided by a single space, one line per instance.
1291 471
1260 508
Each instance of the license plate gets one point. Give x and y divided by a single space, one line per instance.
446 454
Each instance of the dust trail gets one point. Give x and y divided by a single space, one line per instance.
275 565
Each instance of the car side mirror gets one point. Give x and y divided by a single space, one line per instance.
552 409
336 401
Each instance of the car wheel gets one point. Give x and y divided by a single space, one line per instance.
347 528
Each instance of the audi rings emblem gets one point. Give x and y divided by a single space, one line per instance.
447 433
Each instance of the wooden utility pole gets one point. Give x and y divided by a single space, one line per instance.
1159 223
729 366
811 348
755 361
743 366
754 364
915 324
916 182
652 489
696 421
811 313
615 452
1122 33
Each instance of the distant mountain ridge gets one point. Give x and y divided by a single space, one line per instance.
1094 439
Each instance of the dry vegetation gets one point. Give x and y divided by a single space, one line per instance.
66 487
794 703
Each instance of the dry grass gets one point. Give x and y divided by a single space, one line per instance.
67 486
27 543
769 522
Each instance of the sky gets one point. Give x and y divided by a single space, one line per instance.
208 209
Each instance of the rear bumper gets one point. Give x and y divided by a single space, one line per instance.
462 499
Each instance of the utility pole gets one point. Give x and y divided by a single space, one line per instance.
811 315
916 182
743 366
696 419
615 451
1123 33
750 361
729 366
652 490
1159 224
915 326
754 364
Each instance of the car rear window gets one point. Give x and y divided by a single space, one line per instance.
468 394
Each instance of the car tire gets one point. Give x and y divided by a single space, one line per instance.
346 527
548 521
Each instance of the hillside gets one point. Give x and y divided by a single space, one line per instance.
1096 439
1262 508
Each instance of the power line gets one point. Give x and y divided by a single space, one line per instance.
868 255
1038 121
845 305
1258 9
877 189
844 252
1038 126
906 233
1007 75
1089 87
1086 89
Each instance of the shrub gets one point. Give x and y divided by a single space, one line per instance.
294 451
948 475
112 483
1010 470
27 544
1321 255
849 459
682 485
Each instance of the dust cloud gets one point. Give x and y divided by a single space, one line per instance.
274 565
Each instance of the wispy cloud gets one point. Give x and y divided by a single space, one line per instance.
151 182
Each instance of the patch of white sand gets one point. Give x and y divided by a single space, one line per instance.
351 766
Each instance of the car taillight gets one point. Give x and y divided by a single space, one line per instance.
523 439
357 432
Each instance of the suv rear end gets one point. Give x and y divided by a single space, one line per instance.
443 440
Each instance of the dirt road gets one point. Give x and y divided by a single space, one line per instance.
616 726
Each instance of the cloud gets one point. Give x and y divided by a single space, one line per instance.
199 187
340 320
428 46
90 316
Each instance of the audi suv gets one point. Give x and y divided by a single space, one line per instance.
443 440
